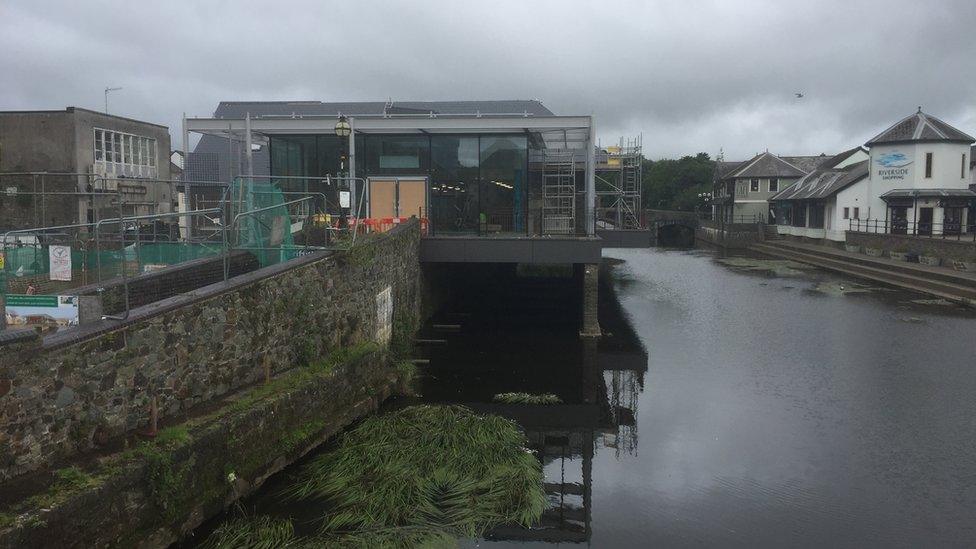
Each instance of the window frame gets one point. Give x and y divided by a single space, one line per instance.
773 181
962 167
847 212
754 185
929 161
857 212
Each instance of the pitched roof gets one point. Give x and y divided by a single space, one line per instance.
805 163
238 109
767 165
824 182
920 127
722 168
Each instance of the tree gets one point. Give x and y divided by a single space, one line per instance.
669 184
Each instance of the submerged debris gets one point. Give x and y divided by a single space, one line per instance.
778 267
527 398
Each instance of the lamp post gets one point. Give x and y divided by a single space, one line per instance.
344 130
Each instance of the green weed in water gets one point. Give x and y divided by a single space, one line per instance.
423 475
259 532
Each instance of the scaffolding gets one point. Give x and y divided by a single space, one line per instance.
618 175
558 192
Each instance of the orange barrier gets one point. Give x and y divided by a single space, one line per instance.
383 224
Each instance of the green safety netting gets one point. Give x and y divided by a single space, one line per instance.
263 225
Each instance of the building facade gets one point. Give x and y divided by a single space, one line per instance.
79 151
741 190
468 167
920 177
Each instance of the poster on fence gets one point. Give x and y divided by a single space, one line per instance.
60 257
50 312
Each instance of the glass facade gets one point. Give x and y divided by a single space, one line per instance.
477 184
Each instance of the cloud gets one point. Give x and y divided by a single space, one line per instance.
689 75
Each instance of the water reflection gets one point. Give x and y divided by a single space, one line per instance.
598 381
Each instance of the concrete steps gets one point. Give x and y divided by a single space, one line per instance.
958 289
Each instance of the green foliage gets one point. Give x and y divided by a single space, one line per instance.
527 398
424 474
294 439
67 481
301 376
407 370
7 520
669 184
259 532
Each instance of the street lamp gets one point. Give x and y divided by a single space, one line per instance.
342 127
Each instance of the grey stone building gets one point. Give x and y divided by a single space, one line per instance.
741 190
80 151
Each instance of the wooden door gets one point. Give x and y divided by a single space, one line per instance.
412 198
382 198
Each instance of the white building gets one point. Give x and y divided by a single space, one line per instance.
920 176
914 180
823 203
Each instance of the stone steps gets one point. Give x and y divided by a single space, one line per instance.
957 293
903 267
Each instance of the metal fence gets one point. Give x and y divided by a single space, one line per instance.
922 229
273 219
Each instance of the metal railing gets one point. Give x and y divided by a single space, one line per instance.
921 229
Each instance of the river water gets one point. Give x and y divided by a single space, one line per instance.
781 406
736 401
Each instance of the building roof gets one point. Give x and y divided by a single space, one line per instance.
767 164
238 109
824 182
72 110
937 193
722 168
920 127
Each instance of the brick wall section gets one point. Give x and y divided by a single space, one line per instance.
190 349
947 250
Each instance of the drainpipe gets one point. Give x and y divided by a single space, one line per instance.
352 162
915 214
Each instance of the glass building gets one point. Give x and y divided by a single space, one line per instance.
483 173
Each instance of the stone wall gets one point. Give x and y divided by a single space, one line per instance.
945 249
734 236
187 350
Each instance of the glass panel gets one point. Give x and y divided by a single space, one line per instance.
397 155
116 147
127 149
454 183
152 153
503 184
99 146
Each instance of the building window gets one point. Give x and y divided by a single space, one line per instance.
847 212
857 213
773 185
754 185
962 167
928 165
99 145
122 148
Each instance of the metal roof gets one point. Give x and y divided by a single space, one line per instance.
238 109
937 193
920 127
823 183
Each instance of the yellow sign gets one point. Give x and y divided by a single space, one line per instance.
1 261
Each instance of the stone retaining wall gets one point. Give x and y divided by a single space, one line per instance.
99 381
945 249
729 238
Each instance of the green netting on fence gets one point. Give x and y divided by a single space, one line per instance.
32 263
263 225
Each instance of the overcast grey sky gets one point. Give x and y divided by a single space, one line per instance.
690 75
